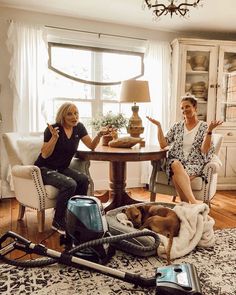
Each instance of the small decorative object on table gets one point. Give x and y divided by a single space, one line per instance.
110 120
123 142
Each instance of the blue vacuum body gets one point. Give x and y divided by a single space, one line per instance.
86 221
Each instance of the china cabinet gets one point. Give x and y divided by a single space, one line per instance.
207 69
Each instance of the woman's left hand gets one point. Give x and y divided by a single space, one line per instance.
214 124
104 131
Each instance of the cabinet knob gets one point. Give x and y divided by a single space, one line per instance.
212 86
230 134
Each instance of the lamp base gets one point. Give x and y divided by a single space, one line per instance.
135 131
135 127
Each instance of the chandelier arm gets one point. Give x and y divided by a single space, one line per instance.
159 12
188 4
183 11
158 5
160 9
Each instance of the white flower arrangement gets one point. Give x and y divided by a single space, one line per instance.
110 120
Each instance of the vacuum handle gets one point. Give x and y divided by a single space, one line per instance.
15 236
9 247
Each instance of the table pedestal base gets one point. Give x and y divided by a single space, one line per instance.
118 196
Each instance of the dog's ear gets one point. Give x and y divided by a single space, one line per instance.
142 209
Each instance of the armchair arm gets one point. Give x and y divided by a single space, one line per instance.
28 186
80 165
26 171
214 165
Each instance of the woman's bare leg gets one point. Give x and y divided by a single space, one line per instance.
182 184
179 192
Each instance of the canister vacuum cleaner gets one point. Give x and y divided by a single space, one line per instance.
89 244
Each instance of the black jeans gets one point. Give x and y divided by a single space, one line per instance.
70 182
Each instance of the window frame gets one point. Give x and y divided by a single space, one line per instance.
96 49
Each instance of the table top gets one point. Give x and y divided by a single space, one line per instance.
136 153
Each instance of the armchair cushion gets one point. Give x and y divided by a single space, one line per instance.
196 183
29 149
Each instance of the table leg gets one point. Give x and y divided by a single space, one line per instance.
118 196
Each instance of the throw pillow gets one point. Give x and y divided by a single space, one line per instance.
29 149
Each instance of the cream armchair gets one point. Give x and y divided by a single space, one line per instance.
22 150
203 189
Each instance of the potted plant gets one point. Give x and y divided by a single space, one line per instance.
117 121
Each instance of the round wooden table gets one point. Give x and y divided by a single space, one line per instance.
118 158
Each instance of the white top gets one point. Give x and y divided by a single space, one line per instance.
188 139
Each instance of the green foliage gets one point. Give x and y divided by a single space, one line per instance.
109 120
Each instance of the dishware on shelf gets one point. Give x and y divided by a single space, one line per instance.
199 89
199 62
188 87
232 65
188 64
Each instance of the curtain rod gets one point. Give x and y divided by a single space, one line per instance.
95 33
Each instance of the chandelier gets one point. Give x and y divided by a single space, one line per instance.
160 9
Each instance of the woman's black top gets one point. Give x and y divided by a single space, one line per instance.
65 147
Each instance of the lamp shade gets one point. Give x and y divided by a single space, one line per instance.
134 91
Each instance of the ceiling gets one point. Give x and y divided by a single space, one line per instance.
214 16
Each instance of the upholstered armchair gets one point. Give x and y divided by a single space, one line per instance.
22 150
203 189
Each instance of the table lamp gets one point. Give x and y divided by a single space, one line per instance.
135 91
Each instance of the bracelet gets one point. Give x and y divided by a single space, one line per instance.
209 133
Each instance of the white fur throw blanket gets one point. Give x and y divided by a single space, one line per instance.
196 229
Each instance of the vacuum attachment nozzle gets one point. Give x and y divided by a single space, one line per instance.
177 279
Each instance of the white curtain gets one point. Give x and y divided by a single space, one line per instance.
158 73
28 65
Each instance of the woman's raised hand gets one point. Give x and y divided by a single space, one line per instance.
104 131
214 124
155 122
54 131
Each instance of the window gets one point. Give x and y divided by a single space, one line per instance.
90 77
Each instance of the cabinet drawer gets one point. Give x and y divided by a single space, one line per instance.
231 162
229 135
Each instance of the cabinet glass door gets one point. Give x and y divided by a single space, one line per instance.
200 77
226 92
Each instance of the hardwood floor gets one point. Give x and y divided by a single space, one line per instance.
223 210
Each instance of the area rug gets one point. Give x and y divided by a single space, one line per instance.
216 268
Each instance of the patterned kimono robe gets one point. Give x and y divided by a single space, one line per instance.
196 160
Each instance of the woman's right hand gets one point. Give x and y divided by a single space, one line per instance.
155 122
54 131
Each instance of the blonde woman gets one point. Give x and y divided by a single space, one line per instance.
190 147
61 141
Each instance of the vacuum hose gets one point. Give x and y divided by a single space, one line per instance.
106 240
67 258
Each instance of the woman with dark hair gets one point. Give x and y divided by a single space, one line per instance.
190 147
61 141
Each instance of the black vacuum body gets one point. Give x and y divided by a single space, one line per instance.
86 221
